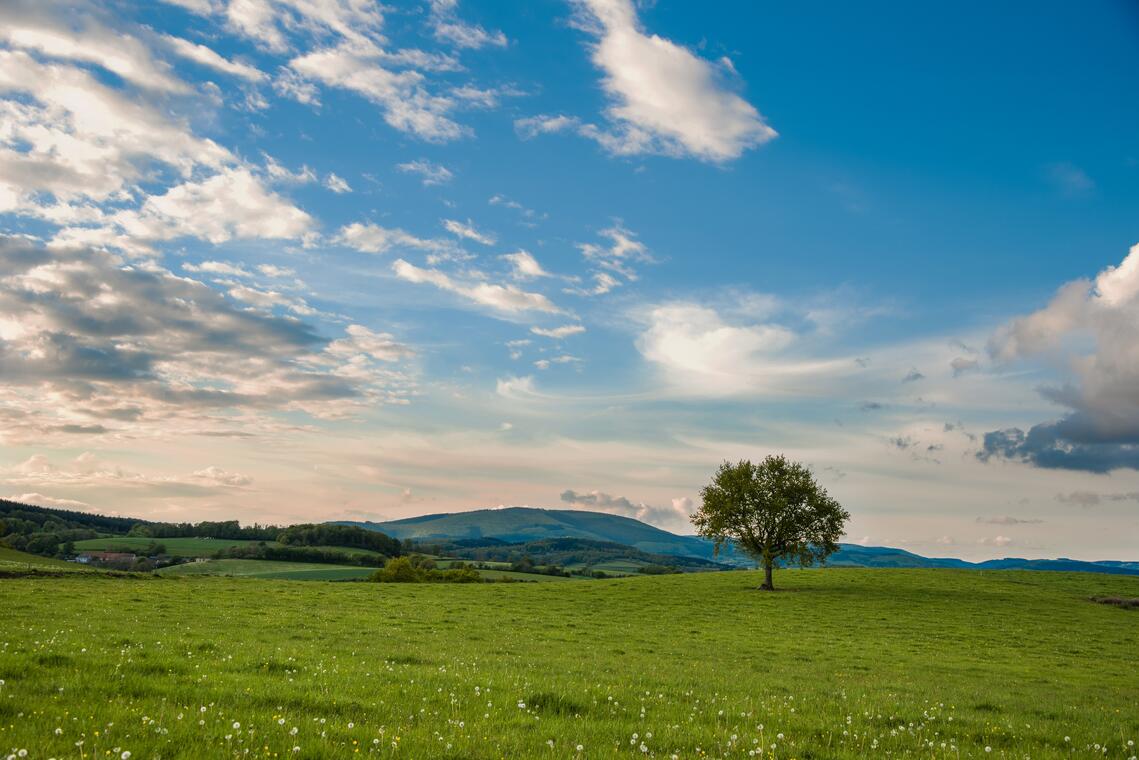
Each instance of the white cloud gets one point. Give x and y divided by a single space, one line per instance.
232 204
373 345
209 58
65 133
562 359
516 387
558 332
337 184
90 343
603 282
619 255
279 173
1090 330
403 99
372 238
41 500
432 174
215 474
448 27
675 514
218 267
116 52
699 353
663 98
467 230
505 298
526 267
532 126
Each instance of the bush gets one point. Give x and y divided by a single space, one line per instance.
404 570
399 570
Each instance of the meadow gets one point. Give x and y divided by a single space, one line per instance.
189 546
841 663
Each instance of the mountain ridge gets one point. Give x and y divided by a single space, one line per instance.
523 524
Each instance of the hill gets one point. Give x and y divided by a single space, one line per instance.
518 525
845 663
523 524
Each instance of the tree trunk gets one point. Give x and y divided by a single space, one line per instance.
767 583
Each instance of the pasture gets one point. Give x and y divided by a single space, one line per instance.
259 568
841 663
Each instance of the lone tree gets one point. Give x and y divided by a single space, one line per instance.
773 510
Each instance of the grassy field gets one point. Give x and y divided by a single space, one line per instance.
258 568
12 561
188 547
180 547
841 664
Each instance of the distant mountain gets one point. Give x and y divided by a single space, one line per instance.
523 524
516 525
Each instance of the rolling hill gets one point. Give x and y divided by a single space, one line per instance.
518 525
523 524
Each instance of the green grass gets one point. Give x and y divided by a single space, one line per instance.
13 562
511 575
179 547
843 663
257 568
190 546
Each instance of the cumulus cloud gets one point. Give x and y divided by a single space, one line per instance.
405 102
674 514
504 298
232 204
700 352
516 387
88 341
66 134
372 238
1091 328
215 474
30 28
995 541
663 98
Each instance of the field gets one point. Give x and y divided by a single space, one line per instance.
181 547
258 568
843 663
187 547
12 561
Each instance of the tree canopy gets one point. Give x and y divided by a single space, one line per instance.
774 511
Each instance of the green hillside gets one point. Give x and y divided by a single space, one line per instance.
521 524
846 663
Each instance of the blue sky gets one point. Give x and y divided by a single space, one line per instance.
307 259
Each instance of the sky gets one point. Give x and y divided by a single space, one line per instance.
303 260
